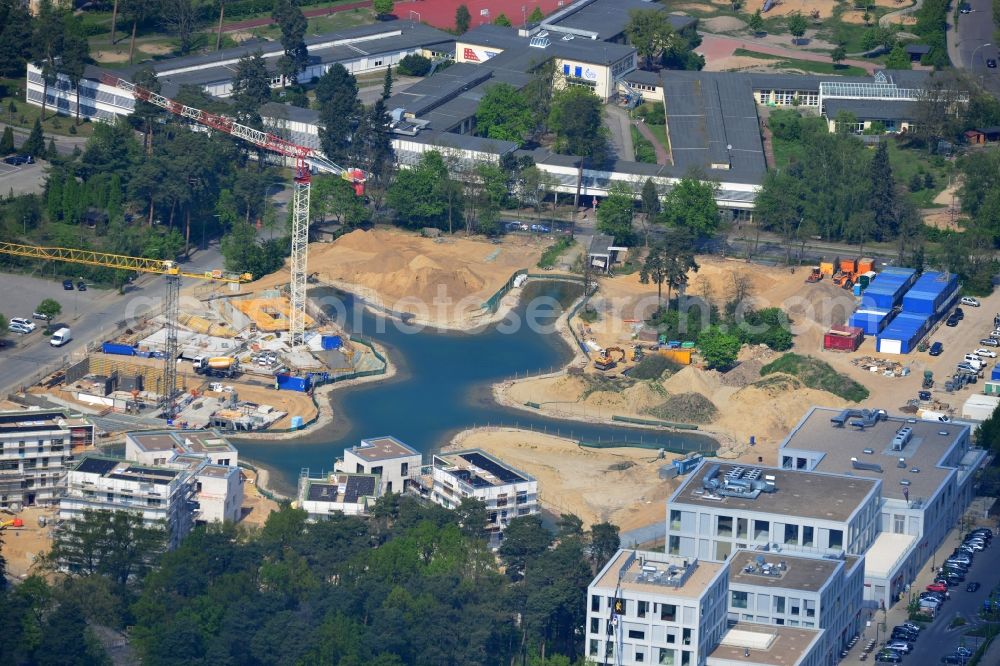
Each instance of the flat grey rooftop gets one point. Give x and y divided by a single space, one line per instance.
804 494
382 448
606 19
873 109
932 450
808 574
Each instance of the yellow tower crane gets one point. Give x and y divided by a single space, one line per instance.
164 267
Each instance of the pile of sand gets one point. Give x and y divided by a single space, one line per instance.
693 380
685 408
723 24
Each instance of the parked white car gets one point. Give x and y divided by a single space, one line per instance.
18 328
970 301
21 321
985 353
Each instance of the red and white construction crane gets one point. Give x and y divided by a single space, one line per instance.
305 160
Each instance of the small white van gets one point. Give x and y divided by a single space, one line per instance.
60 337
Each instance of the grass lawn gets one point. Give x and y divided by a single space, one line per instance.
25 115
803 65
660 132
906 162
644 151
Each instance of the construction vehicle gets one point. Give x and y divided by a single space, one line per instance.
11 522
164 267
605 361
305 160
638 353
814 275
216 366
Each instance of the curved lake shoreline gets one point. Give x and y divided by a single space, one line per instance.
443 384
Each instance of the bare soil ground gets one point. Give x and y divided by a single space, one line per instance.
442 282
21 546
256 507
617 485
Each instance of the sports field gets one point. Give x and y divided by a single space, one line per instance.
441 13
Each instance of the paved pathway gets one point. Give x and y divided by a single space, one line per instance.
886 20
621 136
715 47
661 153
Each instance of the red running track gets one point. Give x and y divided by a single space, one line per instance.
438 13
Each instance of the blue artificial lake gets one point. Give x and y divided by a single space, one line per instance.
442 385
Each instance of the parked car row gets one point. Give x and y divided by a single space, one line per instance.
21 325
68 285
18 160
900 643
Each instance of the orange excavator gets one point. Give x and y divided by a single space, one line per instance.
605 361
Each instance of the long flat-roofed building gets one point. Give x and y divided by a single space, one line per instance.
792 591
36 448
650 608
156 447
397 464
926 470
724 507
508 493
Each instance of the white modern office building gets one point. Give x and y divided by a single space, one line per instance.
747 644
394 462
36 448
926 470
508 493
650 608
156 447
721 508
163 496
786 590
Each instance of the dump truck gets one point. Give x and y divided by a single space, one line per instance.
216 366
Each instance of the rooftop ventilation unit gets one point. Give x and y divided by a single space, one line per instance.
902 437
871 467
540 41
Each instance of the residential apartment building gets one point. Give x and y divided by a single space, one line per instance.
791 591
723 508
340 492
163 496
926 470
508 493
208 456
650 608
36 448
394 462
155 447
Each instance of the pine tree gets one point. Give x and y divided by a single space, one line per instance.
462 19
387 84
7 142
51 153
883 194
35 145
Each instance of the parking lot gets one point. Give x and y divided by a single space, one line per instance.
23 179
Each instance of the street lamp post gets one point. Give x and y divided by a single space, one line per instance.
973 63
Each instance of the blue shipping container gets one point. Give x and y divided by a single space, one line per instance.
903 334
331 342
931 293
290 383
296 422
116 348
907 275
884 293
870 321
995 374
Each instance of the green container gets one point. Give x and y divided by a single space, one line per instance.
687 345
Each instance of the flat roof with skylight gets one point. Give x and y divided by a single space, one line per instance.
382 448
767 645
776 491
479 469
911 464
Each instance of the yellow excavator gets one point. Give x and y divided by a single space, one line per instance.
605 361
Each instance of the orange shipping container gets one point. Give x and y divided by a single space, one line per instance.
848 266
826 267
866 264
682 356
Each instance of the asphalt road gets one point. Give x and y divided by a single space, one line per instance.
23 179
974 30
938 639
89 315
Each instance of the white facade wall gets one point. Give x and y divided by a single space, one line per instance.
169 504
97 101
220 499
697 531
321 510
656 627
395 473
503 502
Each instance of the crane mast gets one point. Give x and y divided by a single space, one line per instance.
167 268
304 159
